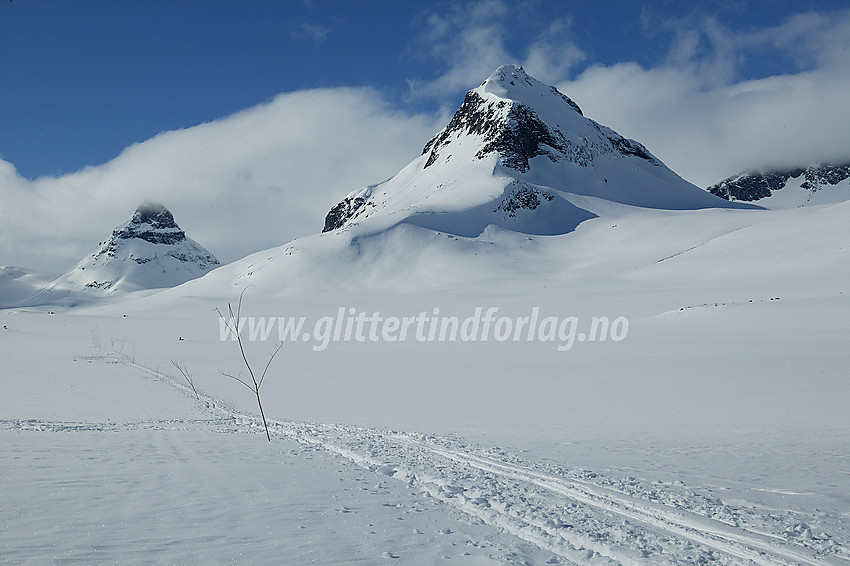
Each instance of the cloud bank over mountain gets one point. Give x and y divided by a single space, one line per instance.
692 108
268 174
239 184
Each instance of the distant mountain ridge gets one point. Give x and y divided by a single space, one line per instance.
798 184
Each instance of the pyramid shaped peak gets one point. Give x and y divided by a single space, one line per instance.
517 137
516 116
149 251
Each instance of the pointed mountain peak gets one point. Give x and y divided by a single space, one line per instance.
508 76
514 144
511 82
149 251
517 117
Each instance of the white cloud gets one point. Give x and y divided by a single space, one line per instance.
237 185
309 31
550 58
692 108
470 40
812 39
692 113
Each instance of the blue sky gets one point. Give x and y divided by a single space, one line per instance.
267 113
82 80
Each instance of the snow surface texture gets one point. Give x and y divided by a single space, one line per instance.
149 251
815 184
715 433
108 458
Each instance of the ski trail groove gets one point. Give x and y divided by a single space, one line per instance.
702 530
579 521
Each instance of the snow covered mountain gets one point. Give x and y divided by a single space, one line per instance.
518 160
147 252
818 183
514 155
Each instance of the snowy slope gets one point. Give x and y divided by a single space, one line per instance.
815 184
149 251
18 284
715 433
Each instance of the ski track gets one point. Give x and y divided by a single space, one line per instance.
579 515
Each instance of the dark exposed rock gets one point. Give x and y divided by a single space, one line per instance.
753 186
631 147
523 137
154 214
819 175
522 197
343 212
517 138
153 223
761 184
475 116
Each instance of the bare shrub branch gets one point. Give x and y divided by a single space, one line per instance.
187 376
255 383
